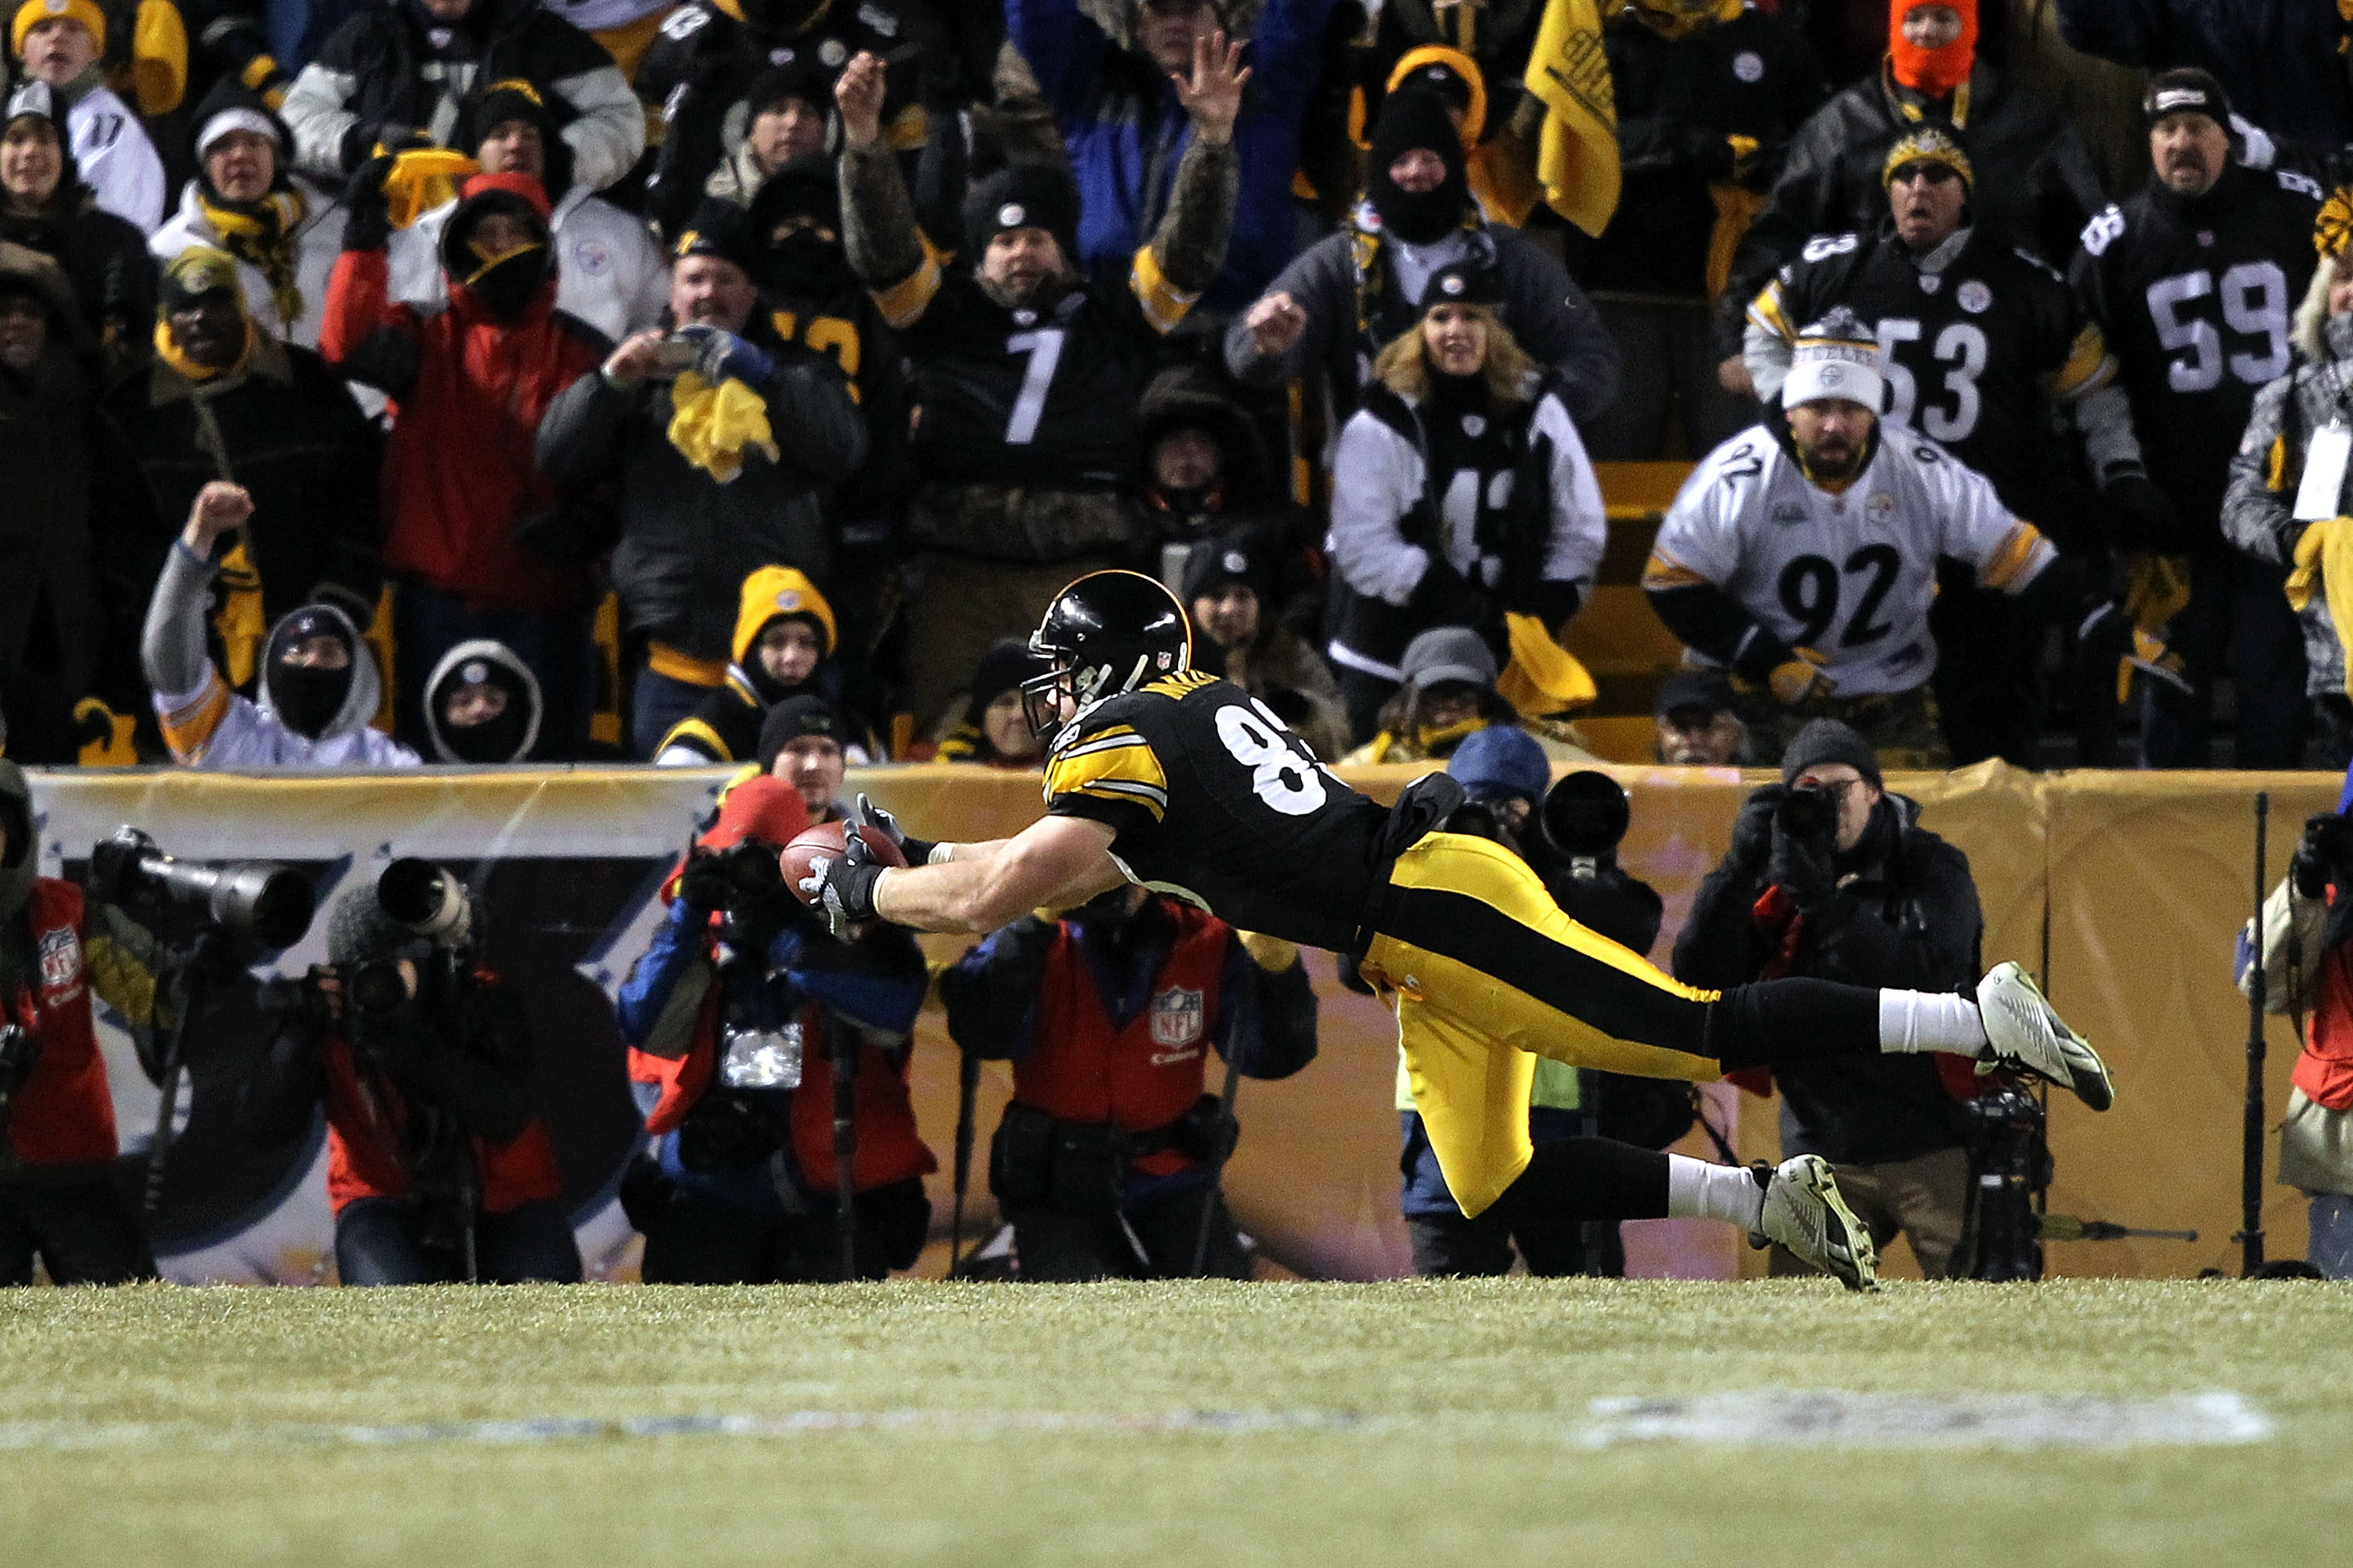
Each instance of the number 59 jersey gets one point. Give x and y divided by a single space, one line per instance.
2197 299
1215 801
1849 576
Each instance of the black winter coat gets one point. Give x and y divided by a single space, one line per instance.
1904 914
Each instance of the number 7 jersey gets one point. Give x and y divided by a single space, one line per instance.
1849 576
1215 801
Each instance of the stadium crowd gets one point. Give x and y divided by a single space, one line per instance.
386 382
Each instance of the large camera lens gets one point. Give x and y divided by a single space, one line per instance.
422 897
1808 811
376 989
1586 814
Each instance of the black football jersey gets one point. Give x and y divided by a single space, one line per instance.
1215 801
1044 396
2196 299
1969 349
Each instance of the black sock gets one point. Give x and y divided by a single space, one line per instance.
1592 1178
1792 1021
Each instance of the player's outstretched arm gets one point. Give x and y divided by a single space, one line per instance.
1055 863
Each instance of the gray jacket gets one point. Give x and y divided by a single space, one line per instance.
2258 514
1548 314
687 540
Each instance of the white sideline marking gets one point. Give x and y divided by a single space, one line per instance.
1782 1416
1960 1420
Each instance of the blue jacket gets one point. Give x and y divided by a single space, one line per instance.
2278 60
1125 131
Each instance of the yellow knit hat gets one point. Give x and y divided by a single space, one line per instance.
31 12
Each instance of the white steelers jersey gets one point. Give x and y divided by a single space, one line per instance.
1849 576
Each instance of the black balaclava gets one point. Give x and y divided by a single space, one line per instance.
803 264
307 699
1418 118
506 738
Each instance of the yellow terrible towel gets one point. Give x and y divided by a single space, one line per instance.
421 179
1543 679
2324 550
712 425
1577 150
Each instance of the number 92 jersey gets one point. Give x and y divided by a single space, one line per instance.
1849 576
1215 801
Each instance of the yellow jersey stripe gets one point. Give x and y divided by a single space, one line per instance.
1766 310
907 298
697 736
1164 304
1176 685
187 730
1664 570
1123 769
2009 563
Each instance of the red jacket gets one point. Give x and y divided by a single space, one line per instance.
62 1114
365 1118
1083 1068
889 1147
2324 1070
470 390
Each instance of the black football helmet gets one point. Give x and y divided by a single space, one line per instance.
1106 633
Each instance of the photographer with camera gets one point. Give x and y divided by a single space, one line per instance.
437 1169
2307 957
1830 876
57 945
1106 1163
1569 832
785 1147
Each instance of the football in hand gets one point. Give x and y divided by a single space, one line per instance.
828 838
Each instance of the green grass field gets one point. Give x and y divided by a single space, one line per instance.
1397 1423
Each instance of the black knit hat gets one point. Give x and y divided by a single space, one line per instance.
1022 195
1828 740
792 719
1463 283
1001 670
2186 89
1234 556
803 76
804 187
722 229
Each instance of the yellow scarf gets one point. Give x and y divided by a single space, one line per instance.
169 353
262 234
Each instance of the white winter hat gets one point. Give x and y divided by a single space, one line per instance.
1835 357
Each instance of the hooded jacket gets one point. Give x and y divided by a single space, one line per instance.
472 390
77 535
516 729
207 725
686 540
291 436
381 72
1126 130
2035 185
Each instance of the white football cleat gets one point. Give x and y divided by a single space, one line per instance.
1806 1214
2027 1031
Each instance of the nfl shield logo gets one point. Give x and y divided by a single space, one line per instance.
1176 1017
61 957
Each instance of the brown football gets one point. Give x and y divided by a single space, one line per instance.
828 838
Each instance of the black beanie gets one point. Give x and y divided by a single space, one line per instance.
804 187
1828 740
1464 283
1022 195
1415 118
804 76
2186 89
1234 556
723 229
794 717
1001 670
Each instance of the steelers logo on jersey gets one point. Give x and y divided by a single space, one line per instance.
1974 297
1748 66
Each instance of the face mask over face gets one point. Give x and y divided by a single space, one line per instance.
1939 70
1417 120
806 262
507 283
482 706
307 697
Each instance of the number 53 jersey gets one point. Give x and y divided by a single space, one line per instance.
1215 801
1849 576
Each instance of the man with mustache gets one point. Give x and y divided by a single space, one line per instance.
2194 281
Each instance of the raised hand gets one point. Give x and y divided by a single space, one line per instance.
1214 97
859 94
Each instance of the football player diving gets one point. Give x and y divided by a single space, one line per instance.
1160 775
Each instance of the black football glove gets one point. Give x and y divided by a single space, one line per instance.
2141 517
917 850
841 887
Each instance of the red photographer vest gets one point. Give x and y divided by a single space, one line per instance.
366 1119
2324 1070
62 1115
889 1147
1084 1067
